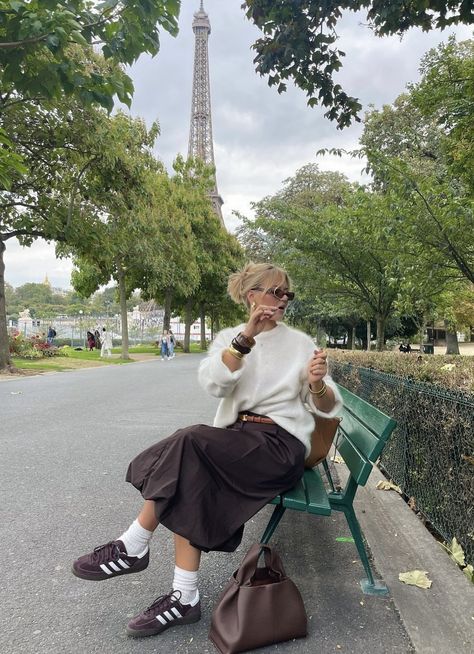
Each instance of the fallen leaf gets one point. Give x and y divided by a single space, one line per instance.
412 504
337 459
386 485
415 578
457 552
469 572
469 459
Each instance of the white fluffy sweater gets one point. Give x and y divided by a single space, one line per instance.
272 381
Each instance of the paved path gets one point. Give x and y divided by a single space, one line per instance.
66 440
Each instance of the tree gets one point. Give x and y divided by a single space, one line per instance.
336 242
38 59
119 182
299 41
216 252
420 153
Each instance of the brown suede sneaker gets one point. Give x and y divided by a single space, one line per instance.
109 560
165 612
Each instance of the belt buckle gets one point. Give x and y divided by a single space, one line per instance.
244 417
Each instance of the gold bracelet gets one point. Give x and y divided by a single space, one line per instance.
235 353
321 392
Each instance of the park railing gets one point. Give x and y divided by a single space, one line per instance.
430 455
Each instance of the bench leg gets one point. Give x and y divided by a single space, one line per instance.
275 518
328 474
370 586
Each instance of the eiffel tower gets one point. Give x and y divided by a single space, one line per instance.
200 133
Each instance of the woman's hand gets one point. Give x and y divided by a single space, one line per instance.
317 369
258 319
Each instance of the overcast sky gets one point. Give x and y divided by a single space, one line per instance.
260 137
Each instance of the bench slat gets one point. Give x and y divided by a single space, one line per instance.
364 440
359 466
317 497
375 420
295 498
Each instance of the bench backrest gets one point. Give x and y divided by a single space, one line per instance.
363 432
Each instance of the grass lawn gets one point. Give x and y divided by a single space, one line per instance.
84 359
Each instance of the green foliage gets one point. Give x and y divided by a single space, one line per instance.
299 41
452 372
36 38
420 152
335 239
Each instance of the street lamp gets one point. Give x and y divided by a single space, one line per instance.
80 327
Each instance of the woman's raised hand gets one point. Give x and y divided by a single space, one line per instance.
317 366
257 321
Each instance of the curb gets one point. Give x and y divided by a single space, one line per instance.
439 620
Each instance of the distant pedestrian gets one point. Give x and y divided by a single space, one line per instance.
171 344
90 341
51 335
165 345
106 348
98 342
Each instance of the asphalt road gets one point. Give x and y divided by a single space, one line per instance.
65 443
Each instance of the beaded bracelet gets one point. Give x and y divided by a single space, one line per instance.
321 392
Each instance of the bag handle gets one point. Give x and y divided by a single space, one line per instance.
246 571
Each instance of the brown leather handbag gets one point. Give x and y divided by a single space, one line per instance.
321 440
259 606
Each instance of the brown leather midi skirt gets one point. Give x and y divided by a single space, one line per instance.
206 482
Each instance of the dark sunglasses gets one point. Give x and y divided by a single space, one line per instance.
277 292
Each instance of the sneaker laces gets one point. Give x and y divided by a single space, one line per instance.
163 602
108 552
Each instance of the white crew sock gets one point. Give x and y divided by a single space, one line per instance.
136 539
186 582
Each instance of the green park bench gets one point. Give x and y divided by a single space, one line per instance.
362 435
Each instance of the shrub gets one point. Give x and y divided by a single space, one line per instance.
455 372
20 346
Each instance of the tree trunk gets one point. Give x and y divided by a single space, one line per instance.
203 326
123 316
452 345
188 321
380 333
368 335
5 360
167 316
422 333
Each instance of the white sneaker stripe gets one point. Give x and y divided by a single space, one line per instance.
114 567
105 569
176 612
124 564
168 615
161 619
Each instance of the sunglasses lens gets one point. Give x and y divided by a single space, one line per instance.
280 294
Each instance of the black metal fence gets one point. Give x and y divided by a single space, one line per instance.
430 455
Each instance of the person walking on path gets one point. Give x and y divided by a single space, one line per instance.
98 343
51 335
106 340
90 341
204 483
171 344
164 345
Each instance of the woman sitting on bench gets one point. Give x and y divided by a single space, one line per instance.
203 483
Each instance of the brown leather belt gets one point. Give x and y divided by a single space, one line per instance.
244 417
